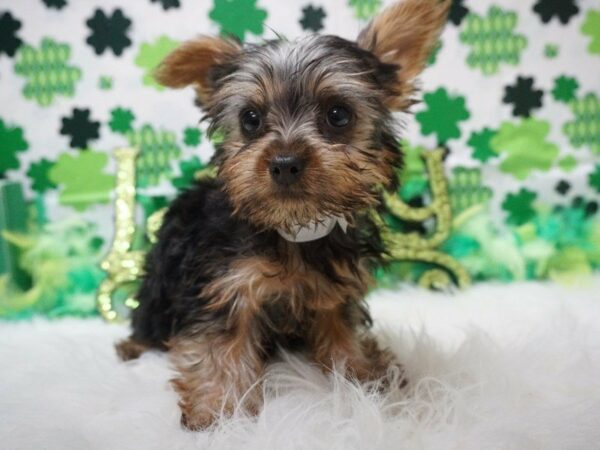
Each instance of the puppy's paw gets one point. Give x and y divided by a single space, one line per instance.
395 377
197 422
129 348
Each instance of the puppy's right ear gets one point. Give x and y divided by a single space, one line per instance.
404 34
193 63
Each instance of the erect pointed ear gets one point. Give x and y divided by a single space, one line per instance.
404 34
194 63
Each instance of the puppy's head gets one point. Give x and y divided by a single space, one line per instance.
307 124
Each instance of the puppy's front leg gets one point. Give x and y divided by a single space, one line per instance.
216 373
336 343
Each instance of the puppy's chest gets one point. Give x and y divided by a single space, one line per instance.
286 287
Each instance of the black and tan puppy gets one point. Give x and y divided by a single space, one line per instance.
276 251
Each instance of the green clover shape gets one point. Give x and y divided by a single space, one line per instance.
525 147
442 115
238 17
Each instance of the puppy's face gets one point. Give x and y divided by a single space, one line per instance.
307 131
308 126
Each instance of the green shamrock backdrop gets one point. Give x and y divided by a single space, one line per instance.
512 93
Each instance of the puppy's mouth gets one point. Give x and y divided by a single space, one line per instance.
287 193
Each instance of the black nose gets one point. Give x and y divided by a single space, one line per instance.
285 170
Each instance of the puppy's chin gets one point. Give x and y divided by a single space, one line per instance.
289 212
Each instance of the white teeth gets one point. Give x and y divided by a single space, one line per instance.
321 228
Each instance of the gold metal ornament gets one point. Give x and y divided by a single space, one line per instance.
154 223
122 264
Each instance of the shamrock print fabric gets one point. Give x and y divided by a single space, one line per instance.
512 92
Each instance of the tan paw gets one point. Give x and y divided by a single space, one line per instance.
128 349
197 422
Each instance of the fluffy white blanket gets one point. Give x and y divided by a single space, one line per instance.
496 367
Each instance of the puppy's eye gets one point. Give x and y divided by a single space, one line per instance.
339 116
251 120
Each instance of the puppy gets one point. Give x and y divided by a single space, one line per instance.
277 250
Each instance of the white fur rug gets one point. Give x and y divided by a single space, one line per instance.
496 367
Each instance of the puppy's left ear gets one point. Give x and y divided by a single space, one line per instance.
404 34
197 63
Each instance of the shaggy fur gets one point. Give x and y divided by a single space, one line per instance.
309 133
496 367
